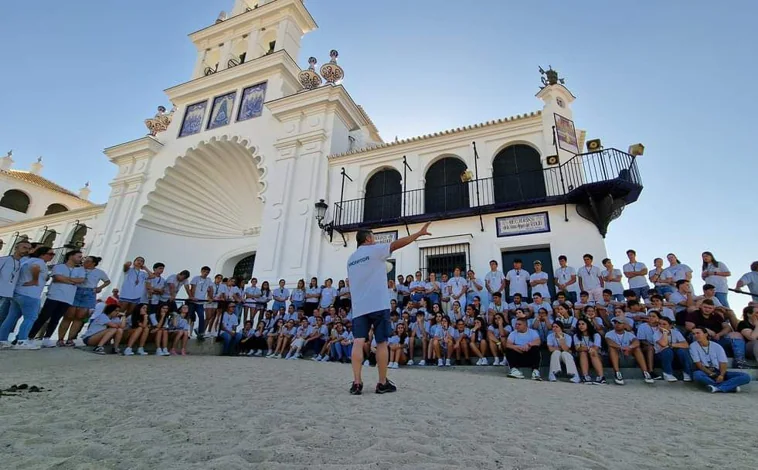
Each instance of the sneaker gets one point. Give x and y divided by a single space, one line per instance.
447 363
5 345
259 353
141 352
656 376
50 343
648 378
128 352
551 377
356 389
619 379
410 362
386 387
485 362
277 356
740 364
686 377
26 346
601 380
497 362
99 350
115 350
366 363
588 380
515 373
422 362
504 363
576 379
250 353
270 355
713 389
325 359
669 377
536 375
316 358
440 363
738 389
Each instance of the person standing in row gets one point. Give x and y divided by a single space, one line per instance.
565 279
26 298
715 273
517 280
366 268
133 287
155 287
750 280
10 267
538 281
636 272
312 297
457 287
612 280
60 296
590 279
494 281
199 293
85 300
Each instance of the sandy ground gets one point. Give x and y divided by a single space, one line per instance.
106 412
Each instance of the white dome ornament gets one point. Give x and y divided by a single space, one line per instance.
332 73
309 78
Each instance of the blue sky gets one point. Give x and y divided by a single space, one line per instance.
677 76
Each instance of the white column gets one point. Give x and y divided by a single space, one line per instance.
253 47
200 64
226 51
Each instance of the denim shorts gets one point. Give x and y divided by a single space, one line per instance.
379 320
130 301
84 298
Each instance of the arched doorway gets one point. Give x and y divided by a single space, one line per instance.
444 191
383 196
15 200
518 175
244 268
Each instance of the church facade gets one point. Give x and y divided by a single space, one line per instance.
267 168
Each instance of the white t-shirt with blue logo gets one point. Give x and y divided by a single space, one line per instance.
367 271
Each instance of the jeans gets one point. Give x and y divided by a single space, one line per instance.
667 355
22 306
736 345
722 296
732 380
618 297
5 306
277 305
230 341
641 292
571 296
238 309
340 351
663 290
198 308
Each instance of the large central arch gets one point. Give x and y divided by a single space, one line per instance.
214 191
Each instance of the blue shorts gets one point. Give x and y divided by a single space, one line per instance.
130 301
84 298
379 320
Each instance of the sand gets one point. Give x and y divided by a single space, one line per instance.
108 412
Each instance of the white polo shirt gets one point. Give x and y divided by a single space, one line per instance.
367 271
518 280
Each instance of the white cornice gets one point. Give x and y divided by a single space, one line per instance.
292 8
255 70
144 147
325 98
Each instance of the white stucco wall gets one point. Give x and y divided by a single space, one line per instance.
40 198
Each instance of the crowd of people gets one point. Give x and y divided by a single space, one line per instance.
575 316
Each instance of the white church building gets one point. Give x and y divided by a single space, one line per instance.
268 168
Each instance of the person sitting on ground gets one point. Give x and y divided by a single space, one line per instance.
332 344
247 338
718 329
273 335
646 334
284 338
588 343
181 331
523 350
343 349
559 345
442 343
460 342
584 300
478 341
420 333
540 302
470 316
298 342
620 314
105 327
140 330
669 344
656 303
562 316
710 364
398 344
636 312
542 324
159 330
623 344
591 315
497 333
317 339
749 329
228 329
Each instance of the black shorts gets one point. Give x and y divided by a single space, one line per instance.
379 320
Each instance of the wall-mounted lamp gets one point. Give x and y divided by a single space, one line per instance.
328 228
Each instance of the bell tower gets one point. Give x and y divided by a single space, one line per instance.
253 29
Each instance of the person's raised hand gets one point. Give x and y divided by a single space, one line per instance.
424 230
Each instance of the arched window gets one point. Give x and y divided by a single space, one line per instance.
518 175
16 200
244 267
383 196
55 208
48 239
77 238
444 190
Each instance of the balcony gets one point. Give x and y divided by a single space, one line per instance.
598 182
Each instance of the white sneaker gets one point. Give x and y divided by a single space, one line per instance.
686 377
440 363
316 358
5 345
365 363
395 365
536 375
128 352
576 379
269 353
259 353
515 373
410 361
26 346
141 352
250 353
504 362
738 389
648 378
447 363
497 362
48 343
422 362
551 377
713 389
669 377
277 356
618 378
485 362
325 359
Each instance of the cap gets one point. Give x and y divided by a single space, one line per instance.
537 262
617 320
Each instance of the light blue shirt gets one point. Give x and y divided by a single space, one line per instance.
10 268
711 356
624 339
328 294
157 283
133 285
675 336
457 334
230 321
282 293
298 295
678 271
588 342
521 339
201 287
172 281
92 278
60 291
311 291
552 341
97 324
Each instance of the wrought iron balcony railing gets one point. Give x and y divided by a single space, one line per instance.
608 171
